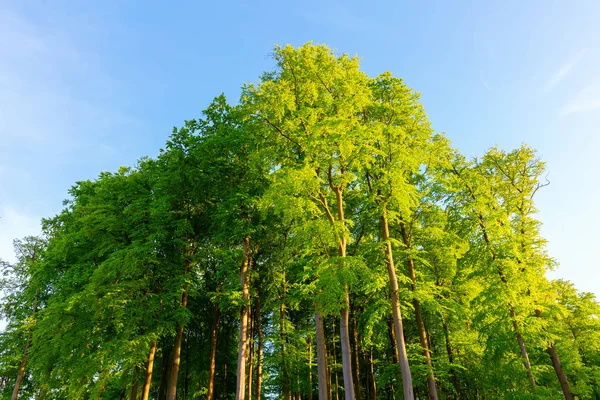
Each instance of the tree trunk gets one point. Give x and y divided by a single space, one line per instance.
560 374
176 356
451 359
21 370
213 353
286 375
150 366
521 342
357 390
134 386
175 361
396 314
240 393
335 369
562 378
310 356
432 390
251 354
344 314
259 358
321 357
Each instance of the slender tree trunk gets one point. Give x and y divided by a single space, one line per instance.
21 370
243 344
560 374
521 342
321 357
451 359
357 390
335 369
310 356
432 390
344 314
175 361
251 354
286 374
346 351
396 314
259 358
149 367
176 356
213 353
562 378
134 386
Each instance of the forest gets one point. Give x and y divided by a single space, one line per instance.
317 239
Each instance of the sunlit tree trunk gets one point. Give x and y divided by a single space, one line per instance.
432 390
321 357
357 389
344 313
213 353
396 314
149 368
243 341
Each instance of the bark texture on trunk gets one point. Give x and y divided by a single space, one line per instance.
407 385
357 389
149 368
562 378
213 353
240 393
175 362
321 357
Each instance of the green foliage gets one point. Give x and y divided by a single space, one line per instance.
306 167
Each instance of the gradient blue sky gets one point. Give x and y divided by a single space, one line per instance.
89 86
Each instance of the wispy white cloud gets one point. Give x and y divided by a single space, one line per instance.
587 99
564 69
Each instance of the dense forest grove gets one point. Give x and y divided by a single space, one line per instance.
316 240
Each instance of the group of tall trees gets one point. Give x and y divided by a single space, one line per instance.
317 240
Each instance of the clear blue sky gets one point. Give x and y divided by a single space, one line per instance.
89 87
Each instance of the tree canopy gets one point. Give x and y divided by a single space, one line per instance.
317 239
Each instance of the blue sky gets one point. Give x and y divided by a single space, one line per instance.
89 86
